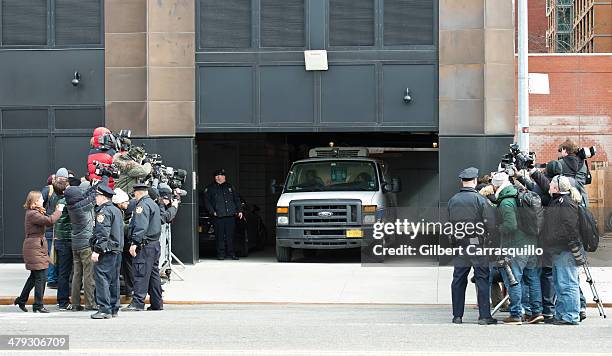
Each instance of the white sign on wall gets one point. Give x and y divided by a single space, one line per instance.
315 60
538 83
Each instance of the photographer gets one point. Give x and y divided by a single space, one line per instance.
131 168
512 236
168 205
575 167
101 151
561 228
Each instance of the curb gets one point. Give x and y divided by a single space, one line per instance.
124 300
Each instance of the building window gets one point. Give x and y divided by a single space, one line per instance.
282 23
24 22
408 22
225 23
78 22
351 22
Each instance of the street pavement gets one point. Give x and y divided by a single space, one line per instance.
256 329
331 277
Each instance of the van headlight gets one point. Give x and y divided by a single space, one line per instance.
369 219
282 220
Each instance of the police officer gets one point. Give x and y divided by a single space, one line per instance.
144 230
107 244
469 206
223 205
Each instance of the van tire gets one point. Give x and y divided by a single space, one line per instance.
283 254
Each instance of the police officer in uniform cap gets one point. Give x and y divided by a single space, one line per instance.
144 231
469 206
107 244
223 205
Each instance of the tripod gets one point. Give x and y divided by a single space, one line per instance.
591 282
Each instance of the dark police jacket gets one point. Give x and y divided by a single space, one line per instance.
469 206
108 231
145 226
222 200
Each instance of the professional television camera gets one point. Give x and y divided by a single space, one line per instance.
106 170
517 159
117 141
175 178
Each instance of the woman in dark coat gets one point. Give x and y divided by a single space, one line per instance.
35 253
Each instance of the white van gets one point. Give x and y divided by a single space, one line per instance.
331 201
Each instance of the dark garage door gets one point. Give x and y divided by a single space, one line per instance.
251 74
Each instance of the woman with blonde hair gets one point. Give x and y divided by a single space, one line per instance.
35 253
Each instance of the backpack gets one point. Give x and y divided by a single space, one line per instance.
587 225
530 212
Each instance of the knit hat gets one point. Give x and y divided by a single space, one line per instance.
499 178
62 172
120 196
563 183
553 168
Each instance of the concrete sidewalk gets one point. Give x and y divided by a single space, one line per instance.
260 279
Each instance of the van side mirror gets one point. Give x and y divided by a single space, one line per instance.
396 185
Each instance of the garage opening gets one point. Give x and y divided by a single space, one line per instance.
253 160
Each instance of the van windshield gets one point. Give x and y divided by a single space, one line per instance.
332 176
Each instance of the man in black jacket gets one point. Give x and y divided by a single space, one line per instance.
80 205
223 205
574 167
560 228
107 244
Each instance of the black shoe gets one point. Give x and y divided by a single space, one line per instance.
52 285
548 319
22 306
562 322
220 258
92 308
457 320
235 258
77 308
100 315
41 310
582 315
154 309
65 307
487 321
131 308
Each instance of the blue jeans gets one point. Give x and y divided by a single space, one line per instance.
524 267
64 266
548 291
567 287
52 271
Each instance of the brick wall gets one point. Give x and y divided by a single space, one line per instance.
579 105
537 23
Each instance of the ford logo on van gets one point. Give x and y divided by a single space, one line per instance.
325 214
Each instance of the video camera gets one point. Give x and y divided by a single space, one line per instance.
106 170
175 178
517 159
586 152
117 141
505 264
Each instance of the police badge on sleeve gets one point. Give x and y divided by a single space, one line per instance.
100 218
139 210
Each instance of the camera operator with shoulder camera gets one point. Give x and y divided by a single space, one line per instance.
574 165
131 168
560 229
468 206
102 151
511 235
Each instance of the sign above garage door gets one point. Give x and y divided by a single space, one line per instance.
382 65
